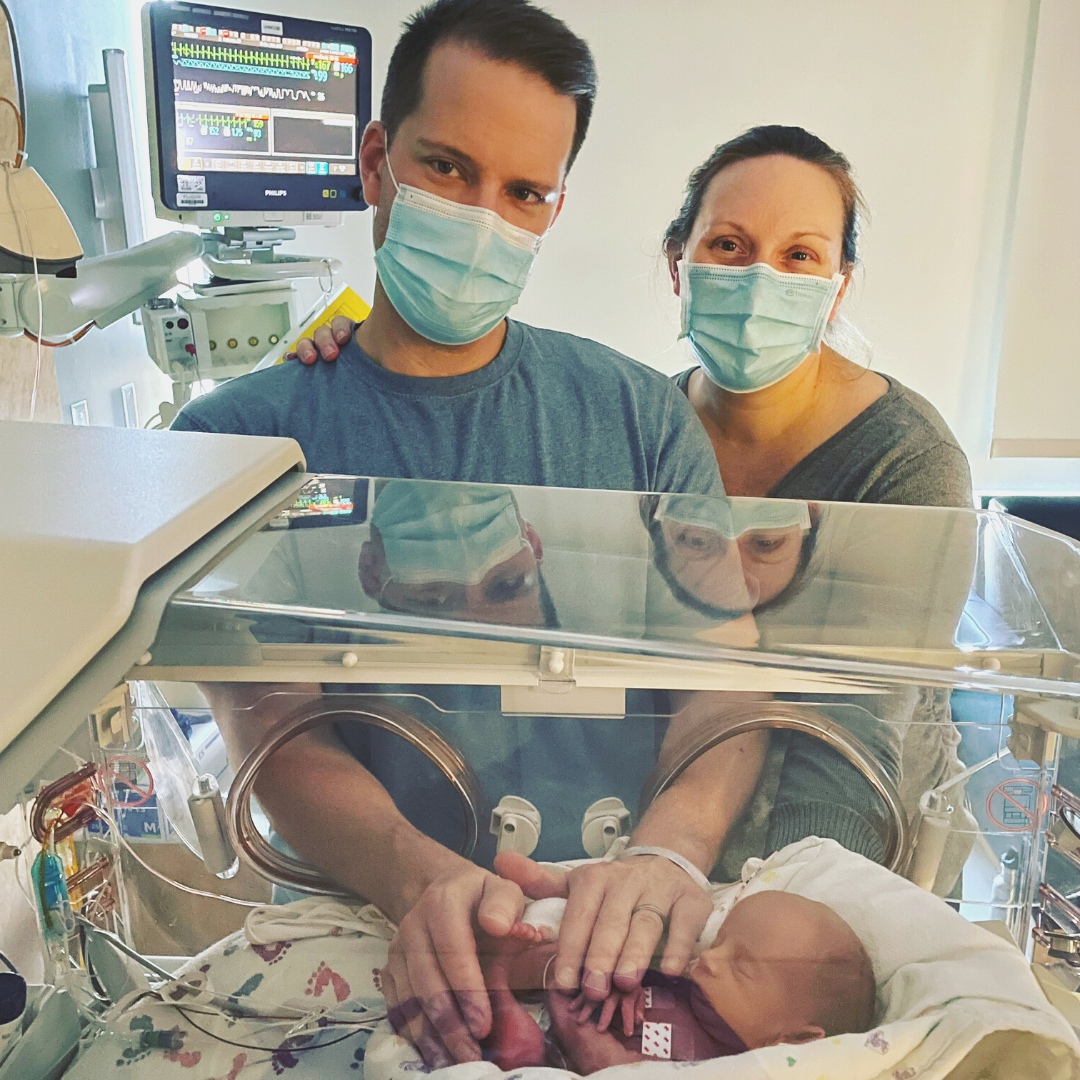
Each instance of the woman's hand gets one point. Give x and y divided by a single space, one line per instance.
616 913
325 342
434 988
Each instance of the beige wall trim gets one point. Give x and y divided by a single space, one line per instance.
1029 448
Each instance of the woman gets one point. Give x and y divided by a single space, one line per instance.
788 416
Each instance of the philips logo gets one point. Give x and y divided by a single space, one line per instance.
275 192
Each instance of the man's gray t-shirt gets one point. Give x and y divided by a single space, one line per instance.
551 409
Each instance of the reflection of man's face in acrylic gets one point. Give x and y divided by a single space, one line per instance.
439 551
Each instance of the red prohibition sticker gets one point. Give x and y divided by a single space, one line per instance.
1015 805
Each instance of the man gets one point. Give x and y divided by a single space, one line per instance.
485 106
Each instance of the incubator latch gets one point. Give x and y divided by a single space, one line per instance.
604 822
516 822
208 816
112 719
556 666
1057 928
932 831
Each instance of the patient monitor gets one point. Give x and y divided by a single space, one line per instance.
254 122
524 669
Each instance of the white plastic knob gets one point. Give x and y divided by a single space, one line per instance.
604 822
350 660
516 822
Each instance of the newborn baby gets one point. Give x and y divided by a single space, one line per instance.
782 969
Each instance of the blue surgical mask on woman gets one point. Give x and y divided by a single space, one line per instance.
451 271
750 326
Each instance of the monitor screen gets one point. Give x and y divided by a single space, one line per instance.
255 112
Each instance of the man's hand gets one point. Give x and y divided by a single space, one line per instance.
615 917
434 988
325 342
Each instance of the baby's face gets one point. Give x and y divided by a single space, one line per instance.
754 973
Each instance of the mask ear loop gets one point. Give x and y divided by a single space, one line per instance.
390 170
826 309
684 297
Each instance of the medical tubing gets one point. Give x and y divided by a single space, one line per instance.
50 794
782 715
69 340
189 889
283 869
88 811
22 131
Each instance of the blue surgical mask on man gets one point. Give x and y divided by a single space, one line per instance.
434 532
750 326
451 271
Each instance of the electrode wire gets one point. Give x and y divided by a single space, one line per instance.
19 155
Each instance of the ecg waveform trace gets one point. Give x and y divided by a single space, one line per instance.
253 90
241 61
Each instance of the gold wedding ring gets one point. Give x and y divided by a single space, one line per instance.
650 907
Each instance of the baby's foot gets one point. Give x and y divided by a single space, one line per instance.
535 935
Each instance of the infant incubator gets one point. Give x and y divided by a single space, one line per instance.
522 669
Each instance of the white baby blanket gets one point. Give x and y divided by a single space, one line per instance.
955 1001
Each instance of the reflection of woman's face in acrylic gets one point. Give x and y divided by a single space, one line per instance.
770 560
708 566
735 575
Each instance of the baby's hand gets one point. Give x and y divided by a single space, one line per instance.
587 1049
630 1004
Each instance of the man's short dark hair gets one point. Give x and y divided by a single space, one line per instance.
514 31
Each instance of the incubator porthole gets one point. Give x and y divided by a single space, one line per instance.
1071 820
